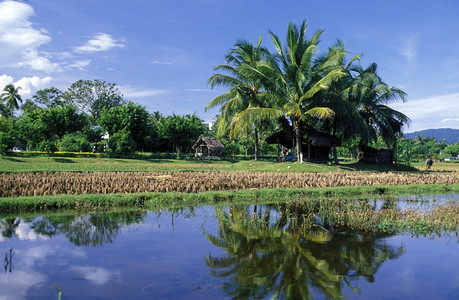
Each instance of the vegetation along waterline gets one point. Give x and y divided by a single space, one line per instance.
354 208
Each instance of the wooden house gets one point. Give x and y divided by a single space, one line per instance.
207 147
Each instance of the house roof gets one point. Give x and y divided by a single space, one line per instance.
316 137
211 143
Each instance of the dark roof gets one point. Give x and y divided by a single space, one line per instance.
317 138
211 143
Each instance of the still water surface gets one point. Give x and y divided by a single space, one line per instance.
216 253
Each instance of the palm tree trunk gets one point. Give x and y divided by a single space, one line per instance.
335 154
256 144
299 152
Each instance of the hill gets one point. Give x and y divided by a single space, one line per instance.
450 135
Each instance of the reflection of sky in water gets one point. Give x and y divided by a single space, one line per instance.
164 258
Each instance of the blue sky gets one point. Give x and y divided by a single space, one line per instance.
161 53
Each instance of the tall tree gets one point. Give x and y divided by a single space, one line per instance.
181 131
371 96
93 96
11 99
241 74
300 76
131 118
50 97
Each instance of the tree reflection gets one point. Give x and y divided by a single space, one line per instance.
270 252
81 230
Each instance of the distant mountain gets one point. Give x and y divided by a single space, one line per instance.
450 135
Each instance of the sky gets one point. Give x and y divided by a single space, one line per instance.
161 53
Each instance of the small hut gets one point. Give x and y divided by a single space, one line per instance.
380 156
316 144
207 147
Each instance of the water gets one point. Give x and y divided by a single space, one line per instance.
216 253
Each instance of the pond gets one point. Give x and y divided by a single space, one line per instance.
219 252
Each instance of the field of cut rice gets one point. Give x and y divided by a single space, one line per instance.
73 183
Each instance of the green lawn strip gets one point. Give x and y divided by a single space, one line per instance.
88 202
79 164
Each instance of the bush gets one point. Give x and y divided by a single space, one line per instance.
74 142
47 146
121 143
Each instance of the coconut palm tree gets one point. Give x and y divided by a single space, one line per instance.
242 75
300 76
371 96
345 120
11 98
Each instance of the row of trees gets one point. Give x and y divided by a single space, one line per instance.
77 119
299 86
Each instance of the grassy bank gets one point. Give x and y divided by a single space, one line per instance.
103 202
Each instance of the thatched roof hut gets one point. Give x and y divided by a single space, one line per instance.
214 147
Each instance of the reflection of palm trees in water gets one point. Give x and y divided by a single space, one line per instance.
269 254
9 261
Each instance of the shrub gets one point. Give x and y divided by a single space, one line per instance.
74 142
121 143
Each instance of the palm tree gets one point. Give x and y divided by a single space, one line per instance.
11 98
371 96
299 77
345 120
242 75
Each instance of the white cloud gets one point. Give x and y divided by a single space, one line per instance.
24 232
133 92
409 47
100 42
97 275
19 40
30 85
5 80
40 63
432 112
158 62
80 64
16 284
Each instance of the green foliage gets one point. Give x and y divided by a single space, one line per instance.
50 97
10 100
94 96
128 117
181 131
452 150
121 143
53 123
74 142
49 146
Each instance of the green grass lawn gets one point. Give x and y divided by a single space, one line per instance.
74 164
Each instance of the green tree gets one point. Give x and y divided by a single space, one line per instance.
242 75
181 131
50 124
299 76
452 149
11 99
74 142
128 117
93 96
50 97
371 96
121 142
29 106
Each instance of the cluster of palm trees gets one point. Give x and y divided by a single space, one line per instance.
298 84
